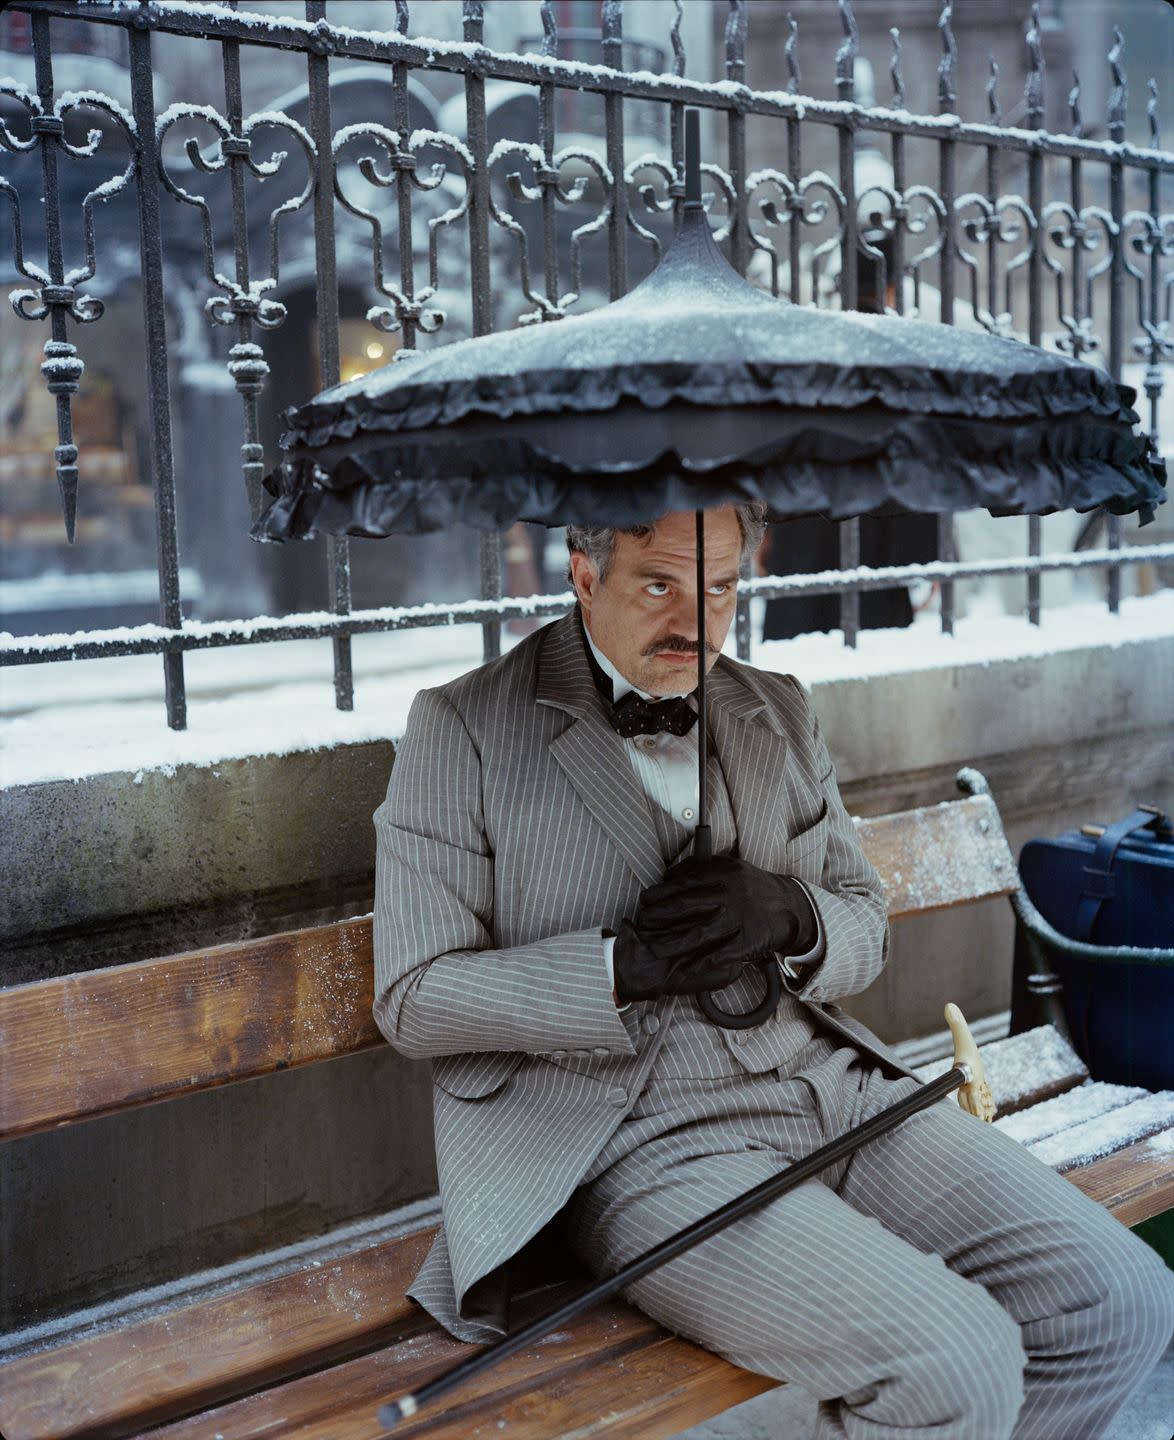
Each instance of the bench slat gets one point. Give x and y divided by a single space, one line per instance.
1107 1134
940 855
200 1354
1136 1183
104 1040
551 1389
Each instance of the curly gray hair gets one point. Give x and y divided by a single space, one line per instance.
598 542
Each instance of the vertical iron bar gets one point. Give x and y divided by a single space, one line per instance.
546 133
473 23
736 135
794 205
992 242
1034 97
61 388
739 235
897 279
403 194
848 531
743 631
677 119
1034 336
252 455
158 389
947 159
794 174
1117 102
1154 382
612 38
338 561
1035 201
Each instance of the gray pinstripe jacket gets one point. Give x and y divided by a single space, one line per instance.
513 829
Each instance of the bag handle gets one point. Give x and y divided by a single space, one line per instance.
1099 883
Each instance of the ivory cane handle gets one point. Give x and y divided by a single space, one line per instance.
975 1096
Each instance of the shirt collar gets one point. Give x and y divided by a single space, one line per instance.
620 684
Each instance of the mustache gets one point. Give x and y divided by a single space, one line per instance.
680 645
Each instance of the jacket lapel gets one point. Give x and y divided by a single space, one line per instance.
753 758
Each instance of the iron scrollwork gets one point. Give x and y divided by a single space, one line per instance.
548 180
56 293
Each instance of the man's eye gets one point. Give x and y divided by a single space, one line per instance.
657 587
718 589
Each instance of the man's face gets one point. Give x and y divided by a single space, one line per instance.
644 615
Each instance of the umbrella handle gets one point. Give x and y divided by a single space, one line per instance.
729 1020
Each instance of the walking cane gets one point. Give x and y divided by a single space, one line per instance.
974 1096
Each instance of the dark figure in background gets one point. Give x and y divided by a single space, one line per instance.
795 547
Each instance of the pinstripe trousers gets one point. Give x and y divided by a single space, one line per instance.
940 1281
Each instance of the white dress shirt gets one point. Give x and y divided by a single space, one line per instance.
666 766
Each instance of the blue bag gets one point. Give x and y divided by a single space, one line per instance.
1108 886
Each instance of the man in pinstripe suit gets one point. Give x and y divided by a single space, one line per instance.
941 1281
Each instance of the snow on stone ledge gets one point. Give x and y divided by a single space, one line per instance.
73 719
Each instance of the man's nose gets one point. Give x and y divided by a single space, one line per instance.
684 616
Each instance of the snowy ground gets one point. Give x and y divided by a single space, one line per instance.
70 719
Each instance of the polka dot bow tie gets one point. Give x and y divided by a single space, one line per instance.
634 715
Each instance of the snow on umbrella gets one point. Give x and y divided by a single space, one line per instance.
697 389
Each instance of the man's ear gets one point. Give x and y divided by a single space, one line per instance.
584 578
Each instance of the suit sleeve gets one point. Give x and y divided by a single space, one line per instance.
848 898
442 987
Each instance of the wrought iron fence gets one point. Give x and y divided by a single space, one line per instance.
1082 270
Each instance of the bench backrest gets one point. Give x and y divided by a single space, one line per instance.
105 1040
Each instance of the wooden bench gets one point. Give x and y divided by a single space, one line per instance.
312 1342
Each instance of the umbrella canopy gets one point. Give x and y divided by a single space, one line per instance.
698 389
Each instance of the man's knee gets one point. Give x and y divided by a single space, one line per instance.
1131 1320
967 1371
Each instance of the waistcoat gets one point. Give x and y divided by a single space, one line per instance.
694 1048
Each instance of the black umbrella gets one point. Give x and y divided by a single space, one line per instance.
697 389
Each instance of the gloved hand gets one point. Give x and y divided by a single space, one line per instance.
726 910
643 968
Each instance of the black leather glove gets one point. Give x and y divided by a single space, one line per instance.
727 910
642 968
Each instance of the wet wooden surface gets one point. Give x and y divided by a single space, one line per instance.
105 1040
1134 1184
940 855
614 1373
183 1359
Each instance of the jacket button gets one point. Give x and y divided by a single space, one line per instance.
601 1052
617 1095
739 1037
651 1024
558 1054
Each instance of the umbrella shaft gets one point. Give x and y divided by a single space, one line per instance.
701 845
685 1239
